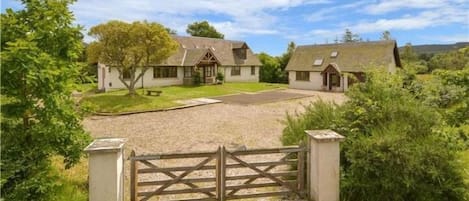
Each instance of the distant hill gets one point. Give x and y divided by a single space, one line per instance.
435 48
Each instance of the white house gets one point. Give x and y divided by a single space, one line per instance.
234 59
329 67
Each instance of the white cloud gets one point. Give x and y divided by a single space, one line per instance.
385 6
240 17
436 17
333 11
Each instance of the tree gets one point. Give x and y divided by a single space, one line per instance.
408 54
270 70
350 37
171 31
386 35
39 48
453 60
203 29
131 46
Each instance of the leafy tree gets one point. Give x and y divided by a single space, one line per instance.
350 37
386 35
453 60
203 29
130 46
396 149
39 48
408 54
171 31
270 70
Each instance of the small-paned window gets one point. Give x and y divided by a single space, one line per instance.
335 80
164 72
187 71
253 70
235 70
126 74
302 75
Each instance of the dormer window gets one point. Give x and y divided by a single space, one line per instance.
334 54
317 62
240 53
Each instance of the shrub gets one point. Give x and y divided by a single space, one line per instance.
396 147
220 77
196 78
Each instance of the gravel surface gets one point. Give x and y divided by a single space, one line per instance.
203 128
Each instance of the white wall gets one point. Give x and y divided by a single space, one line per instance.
244 77
148 80
314 83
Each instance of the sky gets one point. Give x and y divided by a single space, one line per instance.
269 25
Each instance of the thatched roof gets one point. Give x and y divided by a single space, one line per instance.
351 57
191 48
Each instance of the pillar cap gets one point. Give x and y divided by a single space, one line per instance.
325 135
106 145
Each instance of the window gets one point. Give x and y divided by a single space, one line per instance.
334 54
241 53
164 72
253 70
335 80
235 70
126 74
302 75
324 79
208 71
317 62
187 71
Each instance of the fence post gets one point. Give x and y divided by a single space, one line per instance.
323 165
106 169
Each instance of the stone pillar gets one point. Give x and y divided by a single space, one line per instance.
323 165
106 169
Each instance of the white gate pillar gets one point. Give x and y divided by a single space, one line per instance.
106 169
323 165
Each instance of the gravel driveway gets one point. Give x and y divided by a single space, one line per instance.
203 128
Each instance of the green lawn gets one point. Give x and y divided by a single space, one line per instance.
118 101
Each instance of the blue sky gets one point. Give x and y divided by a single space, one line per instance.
268 25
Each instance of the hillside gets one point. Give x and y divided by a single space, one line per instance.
436 48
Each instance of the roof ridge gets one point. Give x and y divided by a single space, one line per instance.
350 43
207 38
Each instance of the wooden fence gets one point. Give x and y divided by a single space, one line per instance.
220 175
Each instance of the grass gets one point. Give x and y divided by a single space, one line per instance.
73 181
118 101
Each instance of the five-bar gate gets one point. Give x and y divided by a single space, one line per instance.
220 175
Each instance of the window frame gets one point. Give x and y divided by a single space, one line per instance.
161 72
188 71
253 70
335 80
126 74
235 71
302 76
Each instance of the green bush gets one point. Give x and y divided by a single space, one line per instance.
220 77
196 78
396 148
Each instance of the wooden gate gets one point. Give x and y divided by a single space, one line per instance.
220 175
